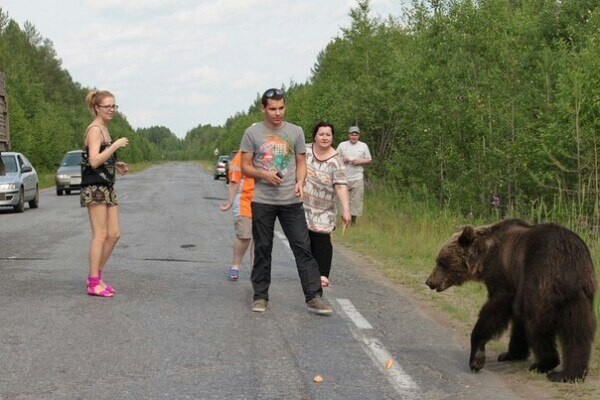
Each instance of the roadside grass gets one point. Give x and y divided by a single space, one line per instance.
206 164
403 233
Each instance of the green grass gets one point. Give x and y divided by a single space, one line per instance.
403 233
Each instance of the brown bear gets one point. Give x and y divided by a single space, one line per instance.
540 278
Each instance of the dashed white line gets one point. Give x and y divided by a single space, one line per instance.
283 238
400 380
354 315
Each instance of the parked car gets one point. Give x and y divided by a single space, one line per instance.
19 184
220 166
231 155
68 176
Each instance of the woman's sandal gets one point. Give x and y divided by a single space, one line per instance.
94 285
108 287
93 291
233 274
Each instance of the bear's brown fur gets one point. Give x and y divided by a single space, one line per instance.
540 278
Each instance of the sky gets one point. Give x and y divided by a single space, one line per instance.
182 63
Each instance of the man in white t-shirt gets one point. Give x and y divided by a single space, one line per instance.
355 155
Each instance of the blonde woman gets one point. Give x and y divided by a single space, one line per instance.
98 166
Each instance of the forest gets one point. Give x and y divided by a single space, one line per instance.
462 100
459 101
47 112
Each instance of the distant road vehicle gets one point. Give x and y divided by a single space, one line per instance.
231 155
68 175
19 184
220 166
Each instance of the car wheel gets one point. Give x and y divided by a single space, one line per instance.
21 206
67 191
35 202
216 177
59 192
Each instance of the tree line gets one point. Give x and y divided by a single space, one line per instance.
47 111
465 101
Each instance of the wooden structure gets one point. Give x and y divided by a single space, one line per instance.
4 131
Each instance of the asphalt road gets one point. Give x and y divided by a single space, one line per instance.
178 329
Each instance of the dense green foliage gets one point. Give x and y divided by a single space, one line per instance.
47 112
463 99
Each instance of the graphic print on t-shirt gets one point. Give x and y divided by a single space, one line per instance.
273 154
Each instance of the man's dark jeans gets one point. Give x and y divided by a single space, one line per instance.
292 220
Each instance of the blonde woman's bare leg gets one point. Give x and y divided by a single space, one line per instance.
113 233
98 215
99 222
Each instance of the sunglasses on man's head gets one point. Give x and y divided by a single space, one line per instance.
274 93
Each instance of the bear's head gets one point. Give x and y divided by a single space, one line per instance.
459 259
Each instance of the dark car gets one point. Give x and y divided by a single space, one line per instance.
68 176
19 183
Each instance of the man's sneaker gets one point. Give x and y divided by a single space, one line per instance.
259 305
317 306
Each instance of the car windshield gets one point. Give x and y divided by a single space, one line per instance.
223 159
71 159
10 164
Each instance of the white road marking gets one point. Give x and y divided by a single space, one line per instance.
400 380
354 315
282 237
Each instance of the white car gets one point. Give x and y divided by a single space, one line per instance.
220 166
19 184
68 175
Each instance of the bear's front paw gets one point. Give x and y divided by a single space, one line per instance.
477 361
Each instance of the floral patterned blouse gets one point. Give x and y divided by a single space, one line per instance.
320 199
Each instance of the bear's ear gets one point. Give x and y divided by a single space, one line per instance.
467 236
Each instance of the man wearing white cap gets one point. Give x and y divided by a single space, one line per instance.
355 154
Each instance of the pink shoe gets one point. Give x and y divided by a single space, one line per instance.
93 291
93 288
108 287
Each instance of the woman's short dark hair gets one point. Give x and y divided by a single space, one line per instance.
320 125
